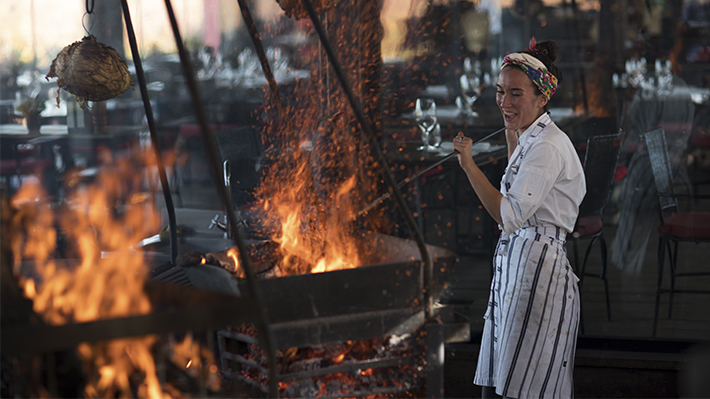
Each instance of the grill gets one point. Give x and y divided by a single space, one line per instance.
379 303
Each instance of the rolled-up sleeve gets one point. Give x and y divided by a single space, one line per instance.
535 177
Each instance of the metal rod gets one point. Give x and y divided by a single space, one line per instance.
419 173
389 179
227 172
44 338
394 361
251 27
262 324
170 207
583 80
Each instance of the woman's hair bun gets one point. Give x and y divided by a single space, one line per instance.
547 53
548 48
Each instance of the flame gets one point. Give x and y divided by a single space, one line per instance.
329 247
314 204
197 359
339 358
104 221
234 255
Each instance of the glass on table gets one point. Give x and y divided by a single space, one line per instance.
470 83
425 116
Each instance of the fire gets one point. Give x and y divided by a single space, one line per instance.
197 359
104 221
238 271
311 197
329 246
318 168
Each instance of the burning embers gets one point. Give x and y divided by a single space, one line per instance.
378 367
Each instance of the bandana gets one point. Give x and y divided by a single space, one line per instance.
535 69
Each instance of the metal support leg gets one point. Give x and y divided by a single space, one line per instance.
227 174
672 258
602 242
661 256
435 360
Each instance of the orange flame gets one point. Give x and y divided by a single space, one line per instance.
197 359
108 280
234 255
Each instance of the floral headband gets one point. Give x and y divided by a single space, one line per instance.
535 69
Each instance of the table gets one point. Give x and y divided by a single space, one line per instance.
20 130
24 154
55 150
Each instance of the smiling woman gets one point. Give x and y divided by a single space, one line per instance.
531 322
517 99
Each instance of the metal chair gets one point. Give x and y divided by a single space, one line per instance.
599 168
675 226
240 147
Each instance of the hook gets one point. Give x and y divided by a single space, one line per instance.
91 25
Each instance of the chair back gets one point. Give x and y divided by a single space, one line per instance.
655 144
241 147
238 144
599 169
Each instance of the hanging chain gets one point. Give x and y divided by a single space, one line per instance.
89 10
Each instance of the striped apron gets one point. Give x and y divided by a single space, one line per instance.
530 330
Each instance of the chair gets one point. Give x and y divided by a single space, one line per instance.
675 226
599 171
241 147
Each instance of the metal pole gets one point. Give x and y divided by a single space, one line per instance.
273 86
389 179
153 132
214 158
582 78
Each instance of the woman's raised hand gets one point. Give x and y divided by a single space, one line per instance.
463 145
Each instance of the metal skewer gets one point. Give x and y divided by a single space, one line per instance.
419 173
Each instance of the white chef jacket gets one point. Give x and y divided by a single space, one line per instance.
544 181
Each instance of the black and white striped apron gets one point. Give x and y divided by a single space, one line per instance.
530 329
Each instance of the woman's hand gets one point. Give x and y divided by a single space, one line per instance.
464 146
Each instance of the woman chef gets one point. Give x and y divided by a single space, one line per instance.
531 322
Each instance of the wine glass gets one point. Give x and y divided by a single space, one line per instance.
470 90
664 71
248 66
470 83
425 115
636 69
279 63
